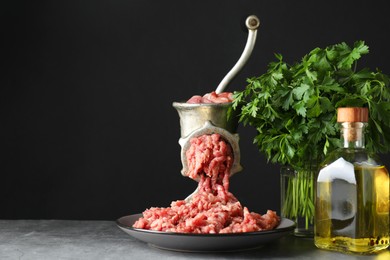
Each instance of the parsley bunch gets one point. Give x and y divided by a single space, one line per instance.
293 107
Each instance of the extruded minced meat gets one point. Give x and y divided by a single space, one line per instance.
212 209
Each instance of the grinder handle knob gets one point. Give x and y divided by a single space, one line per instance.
252 22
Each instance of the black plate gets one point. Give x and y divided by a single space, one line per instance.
204 242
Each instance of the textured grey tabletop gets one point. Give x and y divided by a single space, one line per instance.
59 239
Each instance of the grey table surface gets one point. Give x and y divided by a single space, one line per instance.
68 239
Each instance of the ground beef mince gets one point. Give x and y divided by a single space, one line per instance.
211 156
212 209
213 97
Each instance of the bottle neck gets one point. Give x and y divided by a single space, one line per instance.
352 134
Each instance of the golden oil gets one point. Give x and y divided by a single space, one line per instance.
353 217
352 193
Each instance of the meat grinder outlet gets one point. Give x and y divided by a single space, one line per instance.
206 119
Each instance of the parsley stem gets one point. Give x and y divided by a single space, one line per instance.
298 196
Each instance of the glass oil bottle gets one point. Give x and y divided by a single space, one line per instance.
352 193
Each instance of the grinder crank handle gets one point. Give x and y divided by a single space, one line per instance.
252 23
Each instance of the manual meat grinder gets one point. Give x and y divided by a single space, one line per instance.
200 119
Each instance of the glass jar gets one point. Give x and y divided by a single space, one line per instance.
297 198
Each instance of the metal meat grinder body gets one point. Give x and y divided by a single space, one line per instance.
206 119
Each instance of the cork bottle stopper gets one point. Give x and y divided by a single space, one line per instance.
352 114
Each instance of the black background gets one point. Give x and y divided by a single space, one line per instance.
87 126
